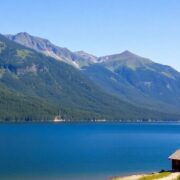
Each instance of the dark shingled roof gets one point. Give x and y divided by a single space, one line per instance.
175 156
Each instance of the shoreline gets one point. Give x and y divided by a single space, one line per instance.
164 175
89 121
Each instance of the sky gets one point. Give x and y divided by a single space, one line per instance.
150 28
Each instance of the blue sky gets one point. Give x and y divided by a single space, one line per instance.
150 28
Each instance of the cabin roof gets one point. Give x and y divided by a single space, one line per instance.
175 155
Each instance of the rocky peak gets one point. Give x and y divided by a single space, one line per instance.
87 56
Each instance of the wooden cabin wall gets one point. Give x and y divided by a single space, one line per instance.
176 165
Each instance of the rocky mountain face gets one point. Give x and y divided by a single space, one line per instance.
46 47
87 57
77 59
130 77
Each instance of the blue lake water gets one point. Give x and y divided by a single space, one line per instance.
84 151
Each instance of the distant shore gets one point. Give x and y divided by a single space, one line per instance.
92 121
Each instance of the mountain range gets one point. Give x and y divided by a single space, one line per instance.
84 86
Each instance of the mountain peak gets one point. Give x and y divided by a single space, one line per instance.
21 36
23 33
126 59
81 52
87 56
84 53
128 53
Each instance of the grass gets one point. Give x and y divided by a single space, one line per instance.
156 176
178 178
23 53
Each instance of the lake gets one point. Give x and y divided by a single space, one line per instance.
85 151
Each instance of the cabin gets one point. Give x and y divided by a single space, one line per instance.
175 158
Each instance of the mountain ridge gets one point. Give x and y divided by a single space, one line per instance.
34 75
44 46
133 78
74 56
64 54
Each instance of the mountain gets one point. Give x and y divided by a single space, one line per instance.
88 57
138 80
125 58
46 47
85 59
127 76
76 59
53 83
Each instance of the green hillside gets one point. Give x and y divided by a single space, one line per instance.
39 78
17 107
129 77
138 81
